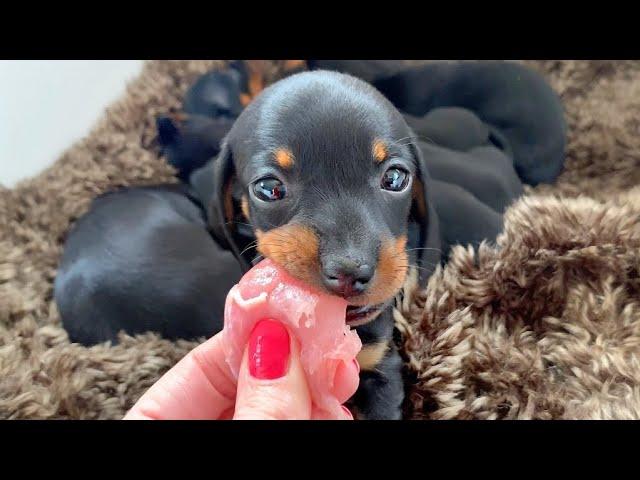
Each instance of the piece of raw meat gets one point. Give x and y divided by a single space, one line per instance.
316 319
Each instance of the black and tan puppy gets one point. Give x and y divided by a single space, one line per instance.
324 169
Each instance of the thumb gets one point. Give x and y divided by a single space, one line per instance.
272 384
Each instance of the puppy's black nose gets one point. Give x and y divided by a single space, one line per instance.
347 278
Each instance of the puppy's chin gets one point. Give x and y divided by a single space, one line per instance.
357 315
362 309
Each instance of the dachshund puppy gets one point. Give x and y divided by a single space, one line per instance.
325 171
142 260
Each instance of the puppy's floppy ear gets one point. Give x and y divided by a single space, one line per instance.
222 209
424 227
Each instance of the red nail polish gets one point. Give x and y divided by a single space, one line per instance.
269 350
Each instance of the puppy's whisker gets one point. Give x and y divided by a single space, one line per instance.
398 141
402 142
425 139
242 223
418 267
251 245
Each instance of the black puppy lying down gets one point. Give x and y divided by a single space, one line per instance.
520 111
326 177
142 260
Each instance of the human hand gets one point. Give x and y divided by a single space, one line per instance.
271 384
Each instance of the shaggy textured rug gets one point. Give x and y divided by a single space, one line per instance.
544 324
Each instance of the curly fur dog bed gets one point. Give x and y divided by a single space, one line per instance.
545 324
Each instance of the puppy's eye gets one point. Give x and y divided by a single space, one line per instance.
395 179
269 189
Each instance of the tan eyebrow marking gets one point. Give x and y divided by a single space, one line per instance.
284 157
380 152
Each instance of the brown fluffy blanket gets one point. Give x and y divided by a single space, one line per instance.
544 325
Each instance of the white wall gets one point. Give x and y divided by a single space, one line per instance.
46 105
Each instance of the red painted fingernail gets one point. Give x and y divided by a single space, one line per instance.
347 411
269 350
357 364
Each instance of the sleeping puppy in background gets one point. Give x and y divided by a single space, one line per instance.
192 137
141 260
189 139
323 169
522 113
